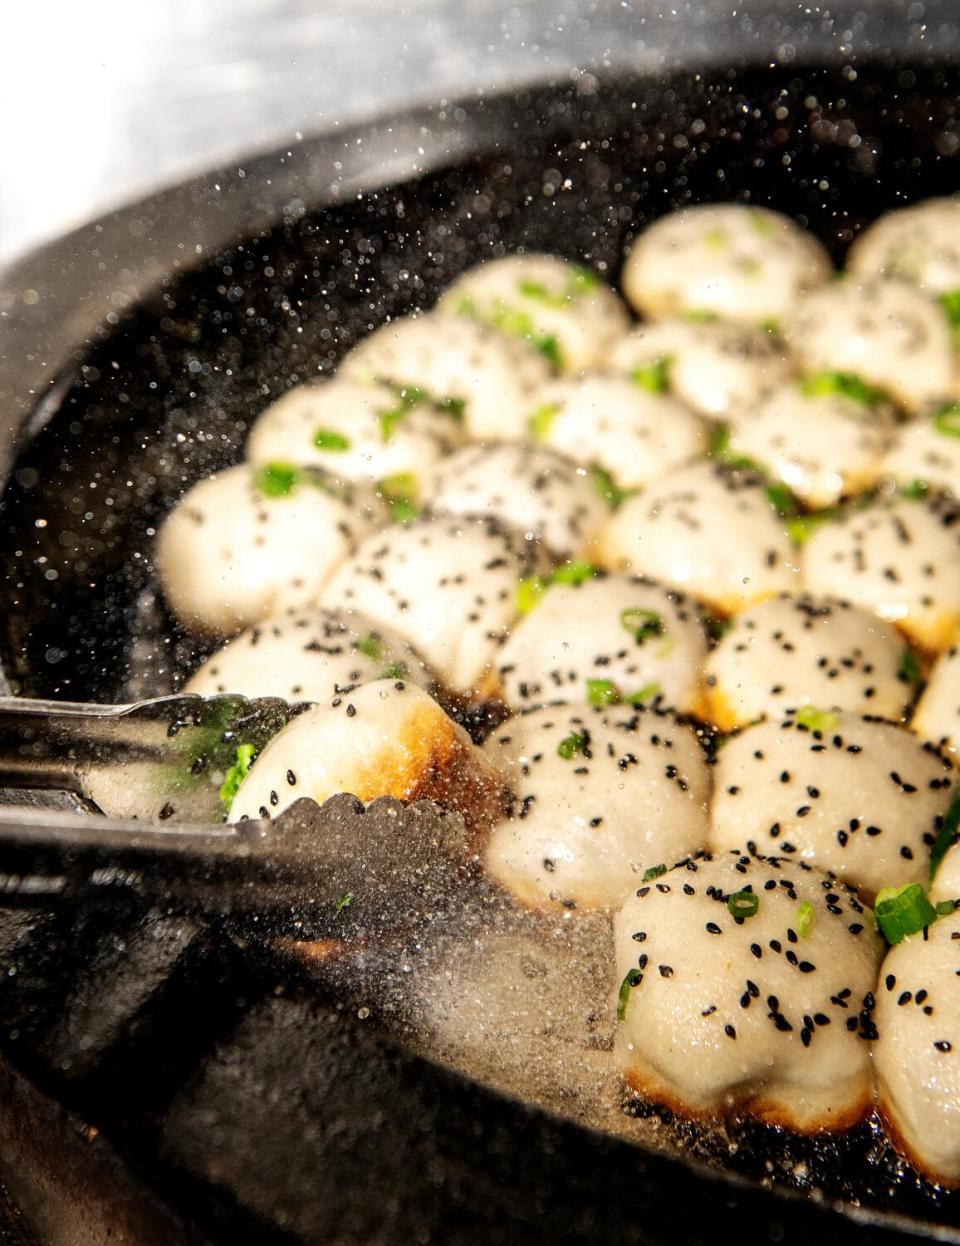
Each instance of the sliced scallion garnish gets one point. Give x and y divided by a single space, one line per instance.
949 300
633 978
946 419
843 384
916 490
399 491
804 919
572 744
782 500
606 692
816 720
573 573
654 376
607 487
743 904
529 592
602 692
800 528
909 668
902 911
540 423
330 439
370 646
520 324
646 693
411 396
641 623
236 774
947 835
276 480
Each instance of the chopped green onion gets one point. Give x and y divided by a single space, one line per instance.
399 491
804 919
909 669
236 774
549 347
946 419
719 448
719 439
699 317
916 490
646 693
633 978
466 306
396 670
782 500
540 423
519 324
276 480
770 325
844 384
410 396
800 528
743 904
400 484
456 408
402 510
902 911
641 623
816 720
370 646
655 871
570 745
329 439
529 593
607 487
948 834
582 280
946 907
602 692
573 573
536 290
389 420
344 902
950 302
654 376
715 239
761 223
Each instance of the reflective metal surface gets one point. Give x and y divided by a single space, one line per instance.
126 98
162 760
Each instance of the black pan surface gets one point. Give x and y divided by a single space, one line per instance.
166 393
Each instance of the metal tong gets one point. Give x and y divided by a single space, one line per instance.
155 770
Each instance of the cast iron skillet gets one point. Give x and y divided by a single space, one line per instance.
164 393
